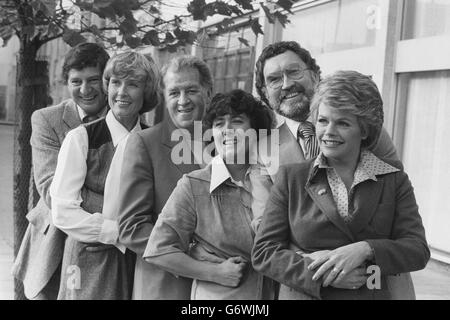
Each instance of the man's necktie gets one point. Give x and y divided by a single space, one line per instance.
88 119
306 132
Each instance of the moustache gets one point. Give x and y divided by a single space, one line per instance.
297 88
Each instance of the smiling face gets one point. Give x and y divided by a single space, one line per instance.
126 97
85 88
185 97
339 134
230 138
296 85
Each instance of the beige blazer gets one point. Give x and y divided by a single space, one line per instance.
42 247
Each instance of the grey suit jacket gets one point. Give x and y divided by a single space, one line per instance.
41 250
147 180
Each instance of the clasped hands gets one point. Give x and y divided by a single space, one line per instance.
343 267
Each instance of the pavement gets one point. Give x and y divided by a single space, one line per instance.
6 280
432 283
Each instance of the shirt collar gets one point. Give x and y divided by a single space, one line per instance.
369 166
83 113
292 125
220 174
118 131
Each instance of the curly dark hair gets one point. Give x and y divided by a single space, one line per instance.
275 49
237 102
84 55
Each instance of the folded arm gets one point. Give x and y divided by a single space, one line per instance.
65 191
271 254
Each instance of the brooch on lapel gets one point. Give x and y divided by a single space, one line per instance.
322 192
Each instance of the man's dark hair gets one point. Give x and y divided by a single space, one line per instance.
237 102
84 55
275 49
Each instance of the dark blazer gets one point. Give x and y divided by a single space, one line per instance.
42 247
147 180
301 213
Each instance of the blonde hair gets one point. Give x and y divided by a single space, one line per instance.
134 64
357 94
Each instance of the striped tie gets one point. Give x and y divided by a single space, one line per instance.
306 132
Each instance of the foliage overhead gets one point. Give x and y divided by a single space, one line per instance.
131 23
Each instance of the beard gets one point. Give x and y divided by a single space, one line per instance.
297 109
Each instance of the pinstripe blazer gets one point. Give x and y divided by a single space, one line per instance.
41 250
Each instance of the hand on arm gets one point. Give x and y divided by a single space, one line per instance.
228 273
342 261
199 252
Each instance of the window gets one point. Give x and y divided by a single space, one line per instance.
335 26
426 152
426 18
231 62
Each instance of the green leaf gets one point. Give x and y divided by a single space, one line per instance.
50 6
112 40
52 29
256 27
196 8
286 5
244 41
185 36
169 37
94 30
132 42
269 15
151 38
128 27
154 10
282 18
72 37
245 4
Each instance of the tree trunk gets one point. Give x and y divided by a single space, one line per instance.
32 93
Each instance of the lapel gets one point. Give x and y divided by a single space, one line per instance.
317 184
168 144
70 114
290 150
366 199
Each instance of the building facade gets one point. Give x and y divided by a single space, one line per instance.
405 46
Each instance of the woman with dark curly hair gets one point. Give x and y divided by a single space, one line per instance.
216 206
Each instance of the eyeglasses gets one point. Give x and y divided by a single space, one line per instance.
275 81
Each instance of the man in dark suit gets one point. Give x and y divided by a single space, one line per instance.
38 261
152 170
